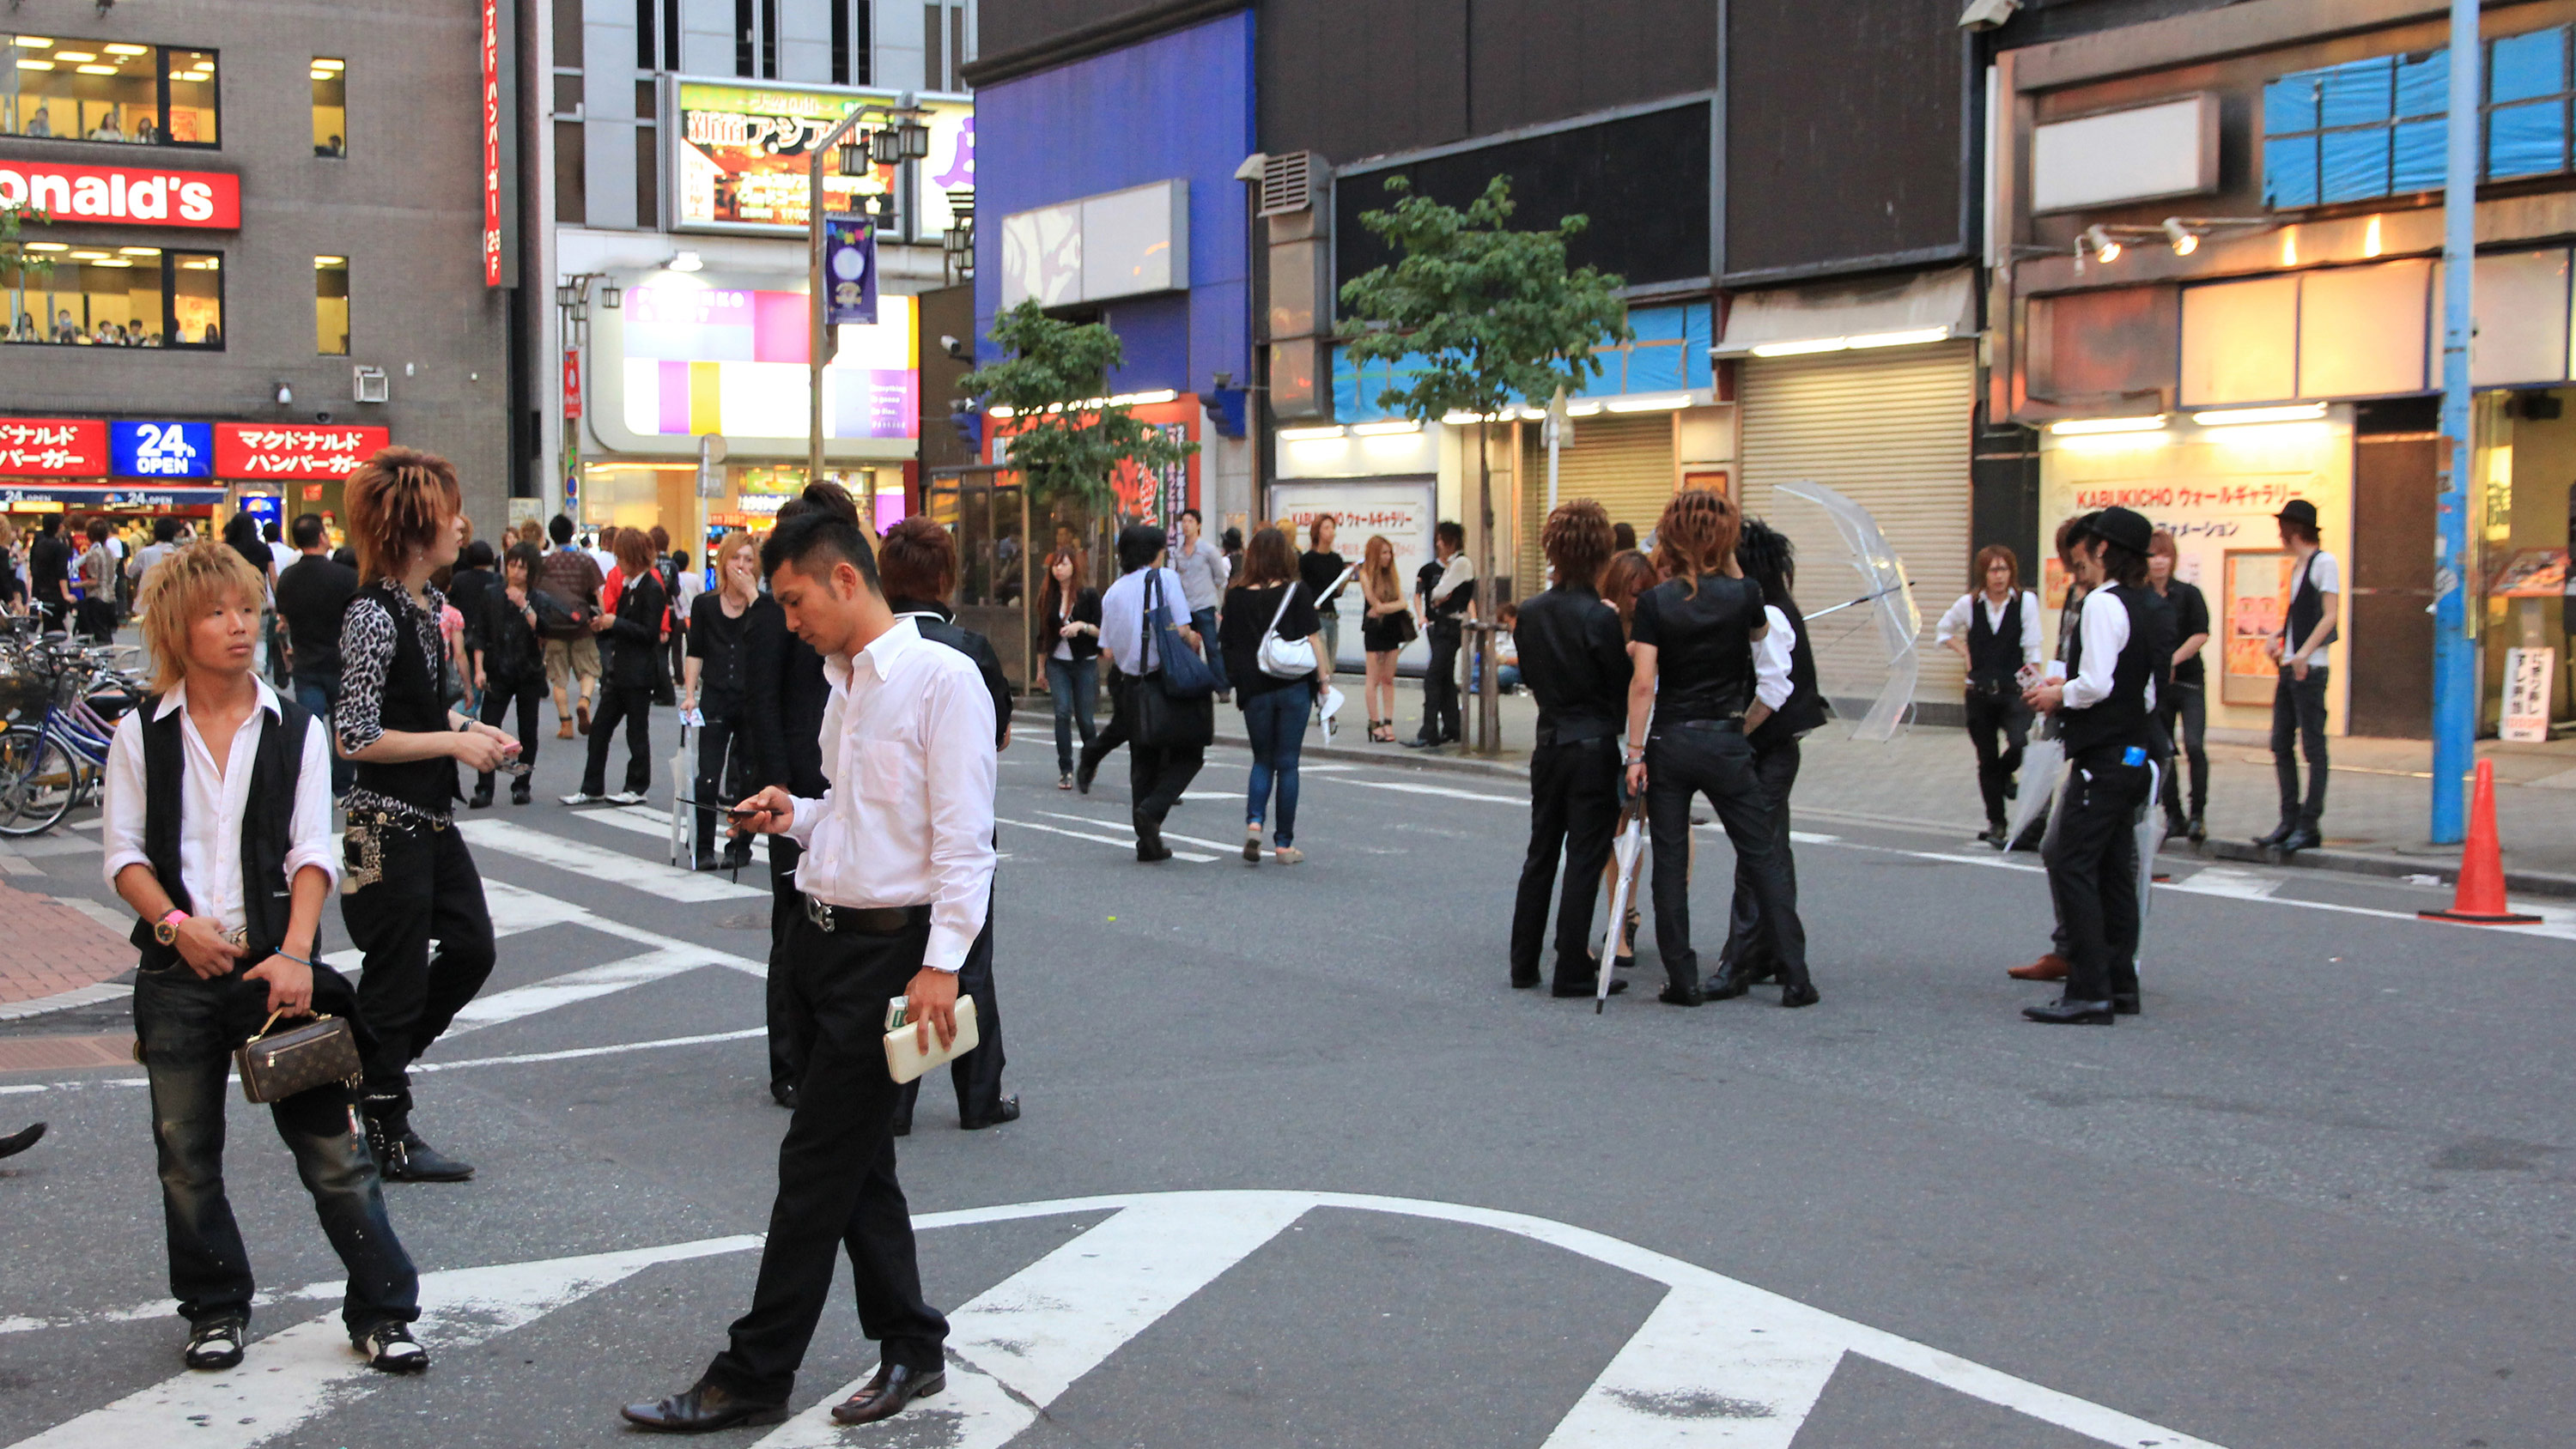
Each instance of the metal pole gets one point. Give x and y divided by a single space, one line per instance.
2455 686
818 336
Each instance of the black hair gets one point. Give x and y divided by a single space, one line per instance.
1452 533
559 528
680 558
1232 541
240 529
2121 564
828 524
53 523
307 530
1768 558
164 528
476 555
527 557
1137 545
1193 515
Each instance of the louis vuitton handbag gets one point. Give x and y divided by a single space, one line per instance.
276 1065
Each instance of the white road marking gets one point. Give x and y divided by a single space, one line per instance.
1809 837
120 923
1441 790
576 1053
1656 1393
1103 839
19 865
615 867
593 983
2220 880
1228 846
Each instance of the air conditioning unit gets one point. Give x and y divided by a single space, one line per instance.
1288 183
369 384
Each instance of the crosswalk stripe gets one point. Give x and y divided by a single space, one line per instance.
599 863
1103 839
2219 880
594 982
1440 790
1657 1392
1221 845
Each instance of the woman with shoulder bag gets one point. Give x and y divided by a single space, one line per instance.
1070 616
1269 635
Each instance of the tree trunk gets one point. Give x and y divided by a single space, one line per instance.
1488 719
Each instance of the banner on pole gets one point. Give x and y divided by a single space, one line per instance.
849 271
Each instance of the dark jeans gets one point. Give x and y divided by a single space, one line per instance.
1204 621
188 1028
1276 721
2189 708
1074 686
632 703
1440 717
2092 860
977 1075
1752 947
1681 763
2299 714
721 775
530 695
1994 719
787 1029
319 697
1574 809
837 1189
408 996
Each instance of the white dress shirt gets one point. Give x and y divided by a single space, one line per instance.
1771 659
1122 618
908 816
211 805
1956 620
2105 630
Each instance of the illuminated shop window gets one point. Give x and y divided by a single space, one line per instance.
115 91
68 295
331 306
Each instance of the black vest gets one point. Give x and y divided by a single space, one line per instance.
2307 609
268 824
2121 719
1804 709
412 703
1994 654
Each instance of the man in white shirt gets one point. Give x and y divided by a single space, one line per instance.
2299 695
227 861
896 866
1156 774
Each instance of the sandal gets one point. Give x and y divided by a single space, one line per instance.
1381 732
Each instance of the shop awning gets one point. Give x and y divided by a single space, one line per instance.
105 497
1787 321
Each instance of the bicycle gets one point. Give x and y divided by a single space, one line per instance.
51 766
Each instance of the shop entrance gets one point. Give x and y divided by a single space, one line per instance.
995 574
2393 487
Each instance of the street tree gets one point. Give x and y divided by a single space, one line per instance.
22 265
1487 317
1068 440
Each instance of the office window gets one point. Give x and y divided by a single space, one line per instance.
568 48
2373 128
572 175
745 42
330 107
769 39
93 90
648 176
331 306
934 47
74 296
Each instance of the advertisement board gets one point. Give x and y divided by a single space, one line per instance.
52 447
700 359
850 271
161 449
253 451
133 195
490 52
1400 509
740 154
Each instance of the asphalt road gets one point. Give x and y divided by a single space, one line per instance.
1298 1169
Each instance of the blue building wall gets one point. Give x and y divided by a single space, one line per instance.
1180 105
1669 354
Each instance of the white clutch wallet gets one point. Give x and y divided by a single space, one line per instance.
905 1058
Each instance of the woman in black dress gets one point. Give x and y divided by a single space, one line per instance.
509 665
1386 626
633 639
1694 635
715 681
1073 659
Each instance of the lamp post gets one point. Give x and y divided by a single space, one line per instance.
900 135
572 313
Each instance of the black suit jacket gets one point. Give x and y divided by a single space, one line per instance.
946 630
1575 660
784 697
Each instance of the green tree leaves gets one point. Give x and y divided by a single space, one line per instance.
1071 440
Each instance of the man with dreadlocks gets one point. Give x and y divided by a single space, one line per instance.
1697 634
1786 682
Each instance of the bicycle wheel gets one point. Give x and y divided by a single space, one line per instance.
34 798
17 758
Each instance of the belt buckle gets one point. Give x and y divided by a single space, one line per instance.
820 914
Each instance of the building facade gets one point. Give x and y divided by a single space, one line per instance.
252 251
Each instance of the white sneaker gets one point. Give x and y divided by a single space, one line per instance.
578 798
627 797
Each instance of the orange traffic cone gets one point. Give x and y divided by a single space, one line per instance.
2479 900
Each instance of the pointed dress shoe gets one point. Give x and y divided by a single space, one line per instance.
1006 1110
2277 834
704 1409
887 1393
2303 838
2050 967
2067 1011
1585 989
1799 993
2124 1003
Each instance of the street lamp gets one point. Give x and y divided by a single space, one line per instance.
900 135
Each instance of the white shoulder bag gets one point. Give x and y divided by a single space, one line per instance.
1285 658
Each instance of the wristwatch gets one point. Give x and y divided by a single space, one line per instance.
166 930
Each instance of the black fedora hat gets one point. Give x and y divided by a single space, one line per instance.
2299 511
2128 529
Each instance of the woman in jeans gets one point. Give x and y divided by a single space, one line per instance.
1073 665
633 640
1274 709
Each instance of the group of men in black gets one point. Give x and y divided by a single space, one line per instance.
1713 684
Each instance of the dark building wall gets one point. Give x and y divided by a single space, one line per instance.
2041 21
1846 136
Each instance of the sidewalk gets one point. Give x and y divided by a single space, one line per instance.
54 948
2376 804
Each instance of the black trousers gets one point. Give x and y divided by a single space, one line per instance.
1440 717
977 1075
788 1029
2186 721
2092 861
1156 774
1682 763
837 1190
1752 947
720 775
530 695
1574 811
1996 720
632 703
408 996
2299 718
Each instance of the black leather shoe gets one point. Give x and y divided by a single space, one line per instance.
1997 835
2303 838
19 1141
2123 1005
408 1159
1421 744
2197 831
1726 987
1083 770
1007 1110
1149 839
887 1393
2067 1011
1586 989
1680 995
784 1094
482 798
2278 834
1524 983
1802 993
702 1410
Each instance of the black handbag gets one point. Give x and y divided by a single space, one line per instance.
1174 706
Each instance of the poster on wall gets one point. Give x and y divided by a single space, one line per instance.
2528 674
1155 497
1399 509
696 359
2254 603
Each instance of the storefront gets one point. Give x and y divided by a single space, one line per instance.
129 469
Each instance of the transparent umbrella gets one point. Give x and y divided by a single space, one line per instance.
1880 575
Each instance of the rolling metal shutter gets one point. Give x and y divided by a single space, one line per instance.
1623 463
1891 430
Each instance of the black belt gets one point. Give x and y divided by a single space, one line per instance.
1575 732
1731 725
866 920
